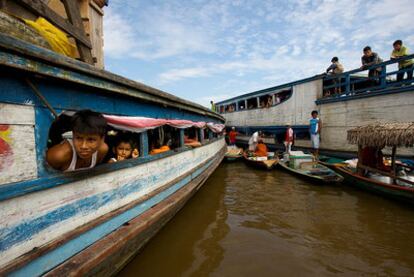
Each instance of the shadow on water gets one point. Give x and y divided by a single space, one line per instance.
246 222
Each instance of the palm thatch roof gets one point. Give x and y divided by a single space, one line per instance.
383 134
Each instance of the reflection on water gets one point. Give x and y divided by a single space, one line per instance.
246 222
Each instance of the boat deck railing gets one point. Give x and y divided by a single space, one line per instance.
353 83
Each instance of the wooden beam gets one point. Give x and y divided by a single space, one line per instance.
73 11
41 9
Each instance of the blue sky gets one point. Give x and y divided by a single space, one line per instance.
212 50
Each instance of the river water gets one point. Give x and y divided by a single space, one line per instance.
248 222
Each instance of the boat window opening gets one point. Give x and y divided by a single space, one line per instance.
163 139
252 103
206 136
191 137
265 101
230 108
242 105
123 145
221 110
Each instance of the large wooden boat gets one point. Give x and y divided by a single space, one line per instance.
88 222
361 101
385 183
314 172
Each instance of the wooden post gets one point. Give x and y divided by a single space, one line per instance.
73 12
143 144
237 105
210 134
181 137
360 171
393 166
258 102
245 104
201 135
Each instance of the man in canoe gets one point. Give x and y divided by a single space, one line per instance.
261 149
86 149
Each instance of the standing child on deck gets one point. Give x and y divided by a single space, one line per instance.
315 126
289 137
86 149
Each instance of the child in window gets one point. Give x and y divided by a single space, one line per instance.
124 149
86 149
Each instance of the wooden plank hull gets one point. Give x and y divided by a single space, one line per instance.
391 191
110 254
314 179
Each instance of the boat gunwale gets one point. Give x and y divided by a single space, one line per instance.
58 178
64 238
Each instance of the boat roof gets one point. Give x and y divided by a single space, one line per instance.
383 134
39 60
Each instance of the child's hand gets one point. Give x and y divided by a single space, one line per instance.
135 153
120 158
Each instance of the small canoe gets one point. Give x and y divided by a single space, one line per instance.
233 154
260 162
314 172
382 185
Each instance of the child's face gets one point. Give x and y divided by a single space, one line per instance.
123 150
86 144
314 115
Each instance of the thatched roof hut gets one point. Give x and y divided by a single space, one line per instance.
386 134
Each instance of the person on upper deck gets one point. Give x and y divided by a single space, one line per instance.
399 51
86 149
335 68
213 106
370 58
261 149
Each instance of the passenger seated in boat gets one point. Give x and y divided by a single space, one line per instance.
191 142
160 149
261 149
124 149
86 149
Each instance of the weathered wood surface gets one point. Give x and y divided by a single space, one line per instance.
338 117
38 7
16 28
109 255
29 221
17 146
51 64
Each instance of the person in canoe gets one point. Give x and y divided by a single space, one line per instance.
261 149
254 140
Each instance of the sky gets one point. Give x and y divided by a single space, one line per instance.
213 50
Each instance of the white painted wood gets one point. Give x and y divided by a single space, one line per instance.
19 163
21 209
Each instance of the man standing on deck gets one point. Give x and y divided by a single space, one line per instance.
399 52
254 139
213 106
370 58
315 126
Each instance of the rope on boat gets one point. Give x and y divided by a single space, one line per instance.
42 98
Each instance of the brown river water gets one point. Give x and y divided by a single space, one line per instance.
248 222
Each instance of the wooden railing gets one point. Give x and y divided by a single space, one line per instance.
348 83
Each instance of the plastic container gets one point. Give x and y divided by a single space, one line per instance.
295 161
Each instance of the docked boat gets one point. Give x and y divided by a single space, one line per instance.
92 221
377 177
261 162
305 166
233 154
358 101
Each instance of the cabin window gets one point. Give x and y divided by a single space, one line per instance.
242 105
163 139
252 103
